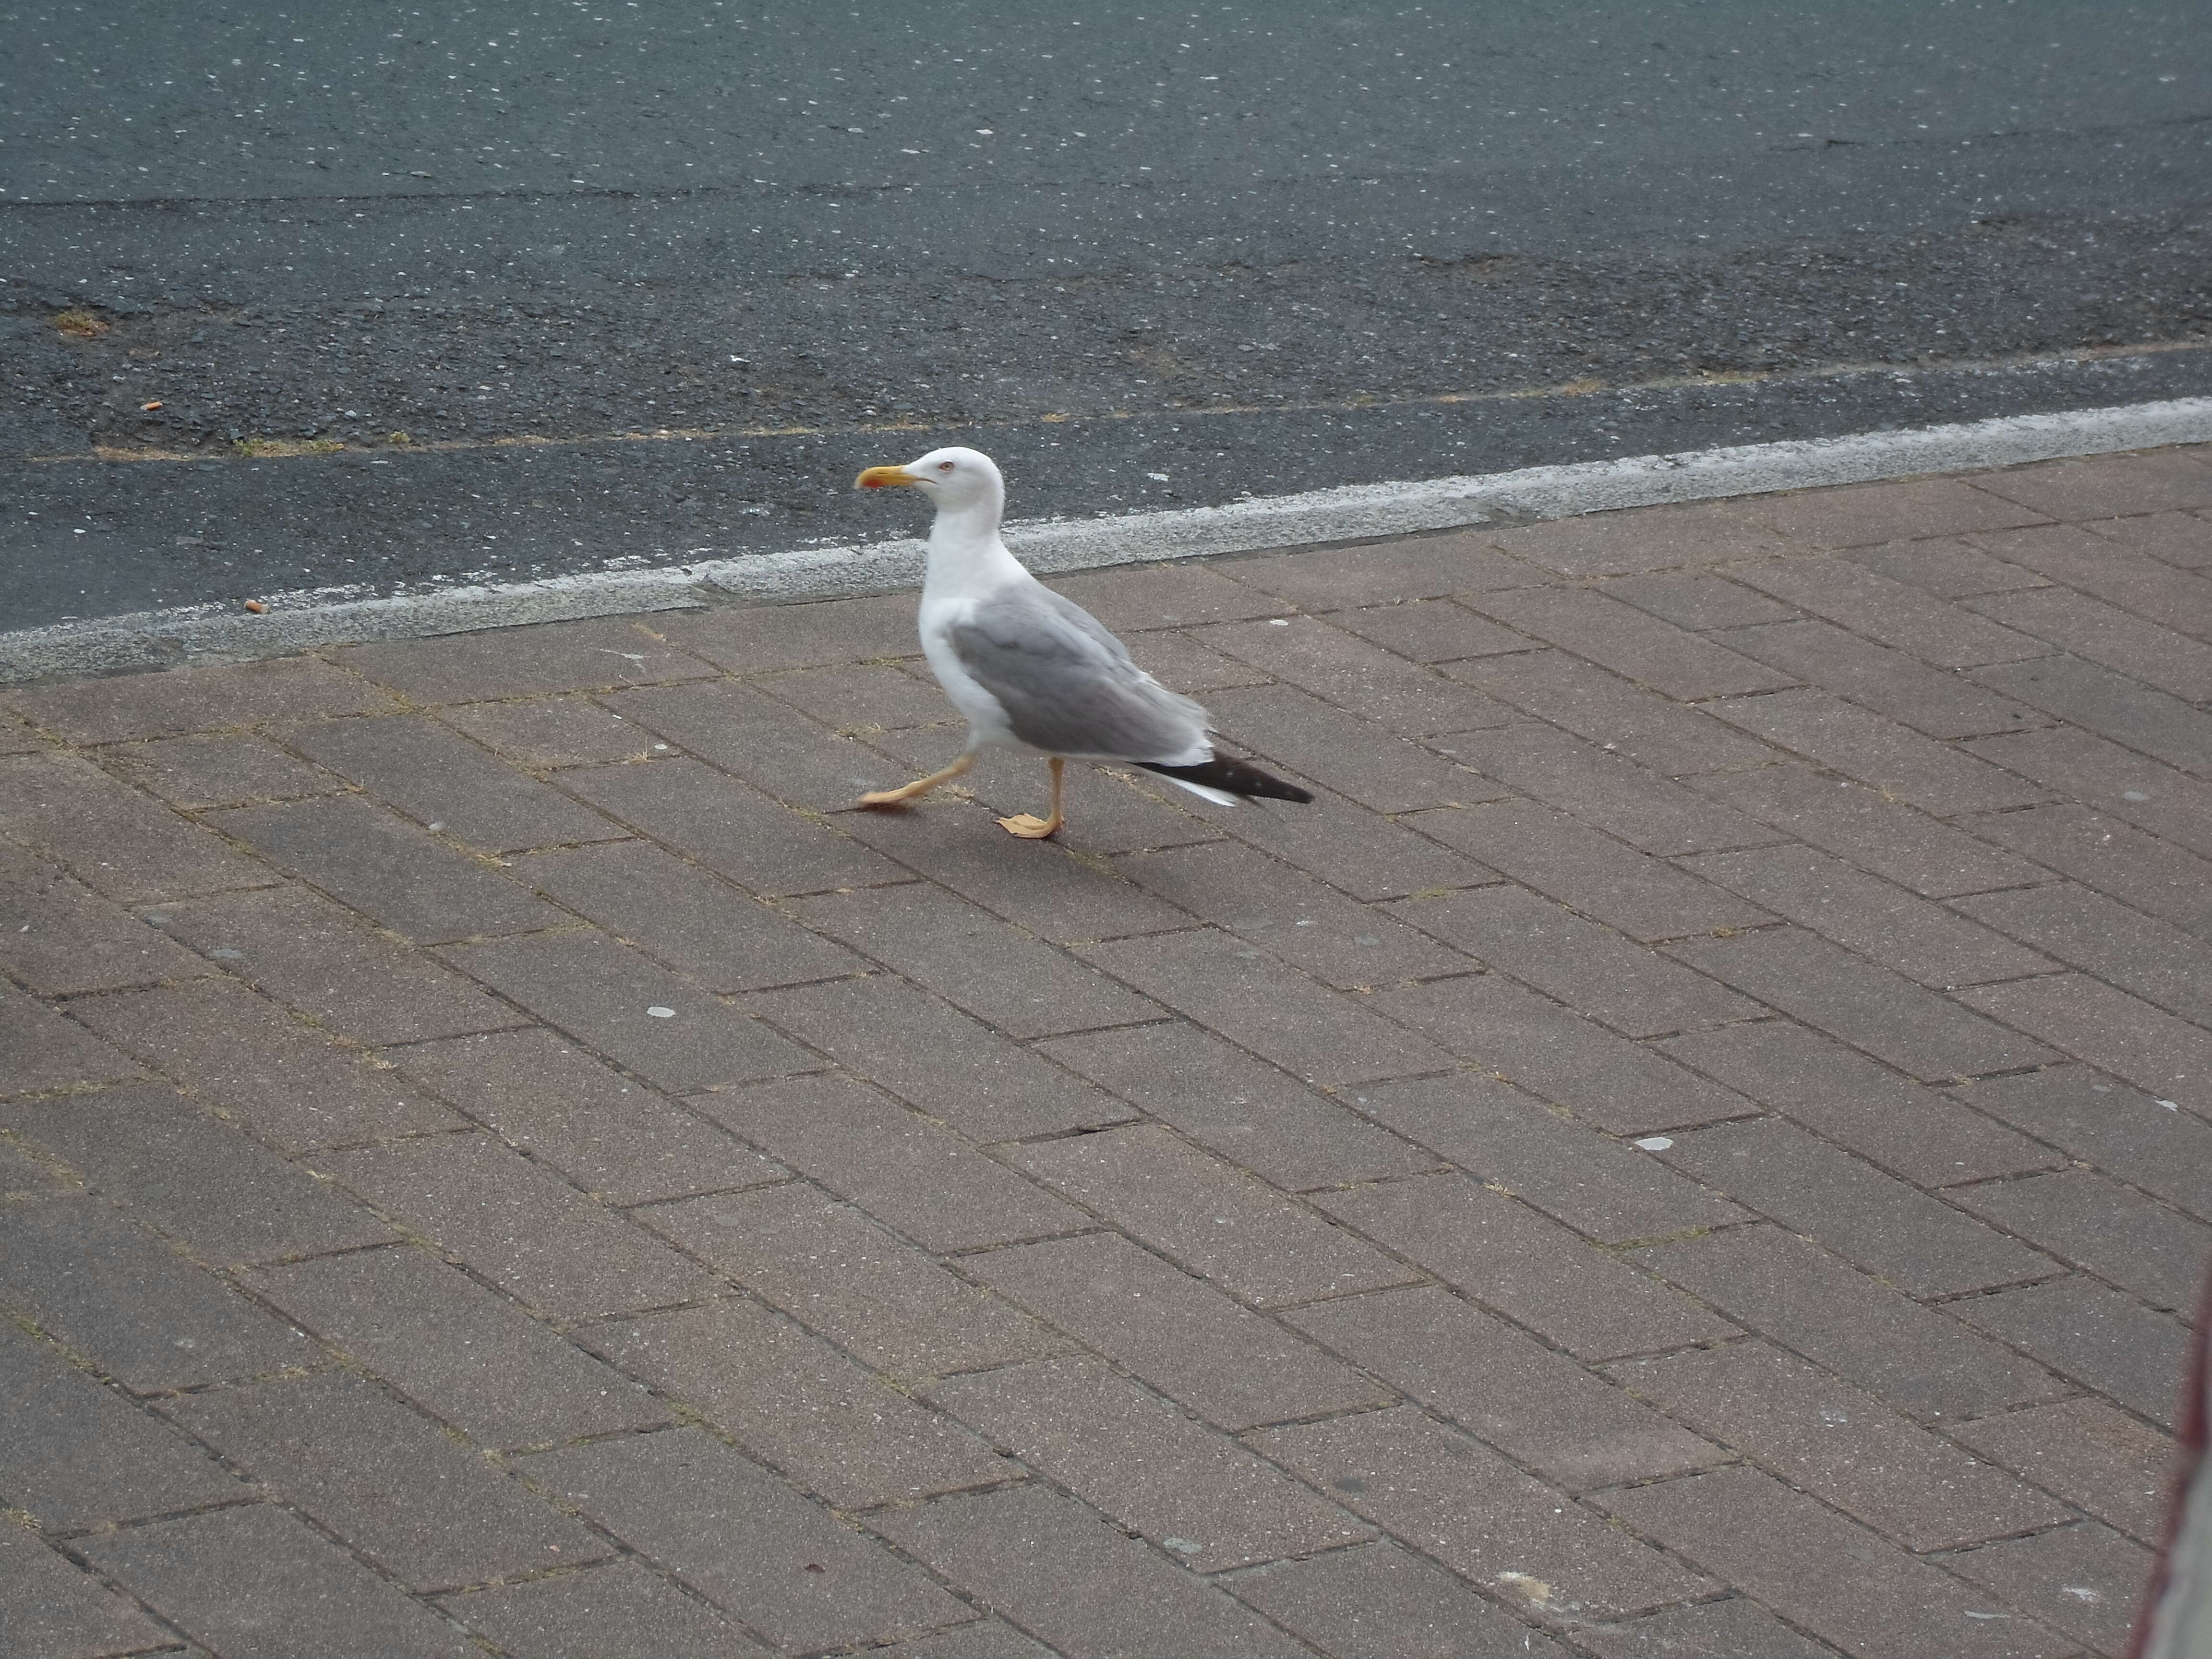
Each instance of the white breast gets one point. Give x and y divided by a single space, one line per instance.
985 717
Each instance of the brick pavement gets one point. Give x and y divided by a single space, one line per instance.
1695 1144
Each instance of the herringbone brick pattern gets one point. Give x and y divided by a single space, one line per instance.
1699 1142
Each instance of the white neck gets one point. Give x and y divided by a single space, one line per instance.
965 553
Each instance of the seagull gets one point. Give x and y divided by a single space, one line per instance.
1037 673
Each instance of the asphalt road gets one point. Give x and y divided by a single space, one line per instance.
543 287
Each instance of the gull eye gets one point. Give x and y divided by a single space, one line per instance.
945 467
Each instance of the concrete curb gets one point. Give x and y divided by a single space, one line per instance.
297 622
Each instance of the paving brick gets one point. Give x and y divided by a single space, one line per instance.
542 734
1506 1256
1430 631
292 944
1258 1003
613 1137
2149 957
729 828
1346 670
898 1166
39 1049
2107 779
759 639
515 1223
1147 1466
1623 1087
197 700
1878 752
23 1176
1659 539
227 1198
726 939
2105 1341
1504 1387
985 1639
934 1057
144 1314
2158 1147
1170 595
2113 858
252 1062
1632 643
2119 707
1307 925
2109 1029
1081 1584
194 774
1918 938
2103 486
1867 827
1594 1184
873 1294
1380 1602
1948 567
1695 601
397 875
74 1454
1256 1117
58 937
1911 1131
424 1507
53 1607
1922 1035
2112 571
1920 1361
1733 1629
1826 1437
2085 1580
770 744
1006 978
862 696
1182 664
2183 539
2105 634
1357 852
1176 1333
757 1549
1208 1217
1563 859
619 1609
443 781
1855 515
1471 1510
2093 1223
255 1580
1342 751
1888 612
461 1352
1822 1572
1607 710
792 1401
1419 567
114 840
1608 790
1053 892
600 991
1940 702
2092 1455
1584 963
606 653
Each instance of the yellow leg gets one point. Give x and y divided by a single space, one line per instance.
882 798
1030 828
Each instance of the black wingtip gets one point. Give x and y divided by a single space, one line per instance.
1238 777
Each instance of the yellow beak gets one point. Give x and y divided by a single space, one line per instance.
882 477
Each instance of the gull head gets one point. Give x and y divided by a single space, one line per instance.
956 479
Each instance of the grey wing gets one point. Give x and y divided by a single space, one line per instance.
1069 686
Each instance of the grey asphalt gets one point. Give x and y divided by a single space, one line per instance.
1150 258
